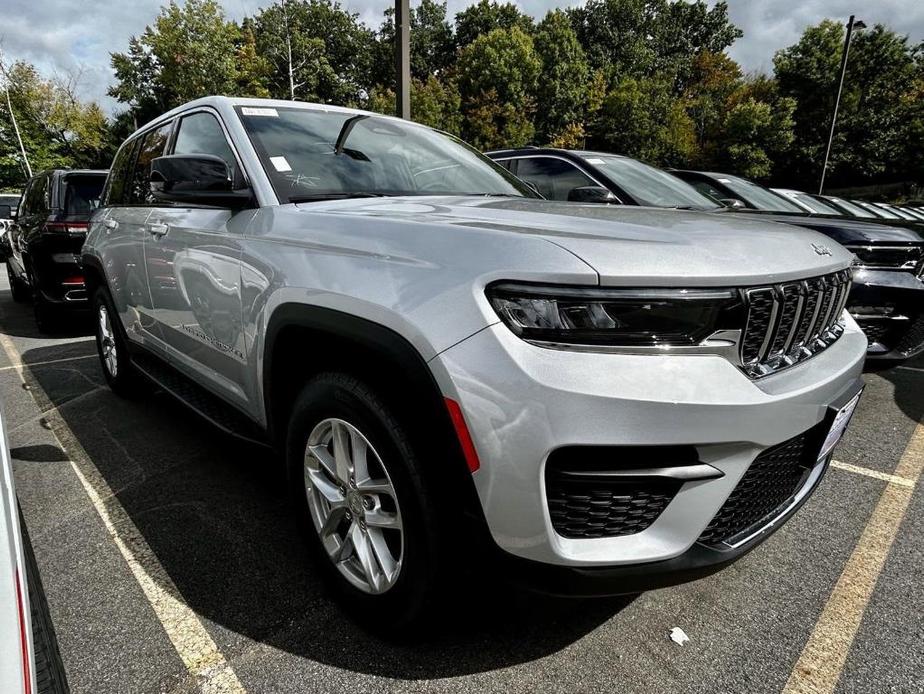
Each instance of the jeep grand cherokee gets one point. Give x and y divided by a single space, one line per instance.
613 399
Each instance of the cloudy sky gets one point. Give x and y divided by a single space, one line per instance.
69 35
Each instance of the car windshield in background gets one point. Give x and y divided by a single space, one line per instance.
855 210
313 154
814 205
758 196
651 186
81 192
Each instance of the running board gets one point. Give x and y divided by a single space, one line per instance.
208 406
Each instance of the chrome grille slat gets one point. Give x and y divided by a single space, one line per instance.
791 321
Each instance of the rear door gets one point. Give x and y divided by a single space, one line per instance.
128 206
193 255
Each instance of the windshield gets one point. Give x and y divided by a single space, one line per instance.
81 192
758 196
814 205
882 214
316 154
850 208
900 212
651 186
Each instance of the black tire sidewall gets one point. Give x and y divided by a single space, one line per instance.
124 383
344 397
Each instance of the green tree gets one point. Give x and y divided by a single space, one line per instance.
492 123
316 49
189 52
253 72
433 46
562 92
487 15
642 118
433 103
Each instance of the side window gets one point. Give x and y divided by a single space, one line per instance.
152 146
117 183
201 133
707 188
554 178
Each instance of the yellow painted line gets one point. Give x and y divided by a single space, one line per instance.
195 647
822 660
19 364
875 474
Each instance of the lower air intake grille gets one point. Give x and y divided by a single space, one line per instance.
913 339
769 483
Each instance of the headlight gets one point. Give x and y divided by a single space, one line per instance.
615 317
887 257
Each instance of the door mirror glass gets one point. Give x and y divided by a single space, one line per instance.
731 202
202 179
591 194
6 212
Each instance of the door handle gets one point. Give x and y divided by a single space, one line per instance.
158 230
112 224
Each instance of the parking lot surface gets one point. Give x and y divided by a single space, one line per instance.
170 564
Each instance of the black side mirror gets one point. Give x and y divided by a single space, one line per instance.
201 179
732 202
592 194
6 212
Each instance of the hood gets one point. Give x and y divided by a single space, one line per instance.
624 245
850 231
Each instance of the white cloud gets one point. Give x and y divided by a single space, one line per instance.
67 35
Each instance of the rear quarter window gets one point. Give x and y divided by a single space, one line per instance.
81 193
117 183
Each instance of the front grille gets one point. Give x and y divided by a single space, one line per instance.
878 330
769 483
605 507
912 340
889 257
789 322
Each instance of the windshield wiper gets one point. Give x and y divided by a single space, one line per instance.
318 197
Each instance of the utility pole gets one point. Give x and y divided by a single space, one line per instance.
403 57
9 106
851 25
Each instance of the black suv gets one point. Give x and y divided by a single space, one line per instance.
45 241
887 298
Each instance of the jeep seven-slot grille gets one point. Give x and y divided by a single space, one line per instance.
789 322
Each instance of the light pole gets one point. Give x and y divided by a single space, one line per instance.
851 25
403 57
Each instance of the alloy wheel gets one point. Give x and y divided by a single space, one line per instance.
107 344
353 506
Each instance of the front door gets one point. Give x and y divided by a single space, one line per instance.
193 266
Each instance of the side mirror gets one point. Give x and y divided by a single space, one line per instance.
201 179
6 212
591 194
732 202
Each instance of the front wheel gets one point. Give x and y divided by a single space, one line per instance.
358 489
113 355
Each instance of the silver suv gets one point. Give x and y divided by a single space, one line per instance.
607 399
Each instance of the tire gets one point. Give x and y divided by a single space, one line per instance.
50 677
18 289
47 316
120 373
401 598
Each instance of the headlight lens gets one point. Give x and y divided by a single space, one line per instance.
887 257
615 317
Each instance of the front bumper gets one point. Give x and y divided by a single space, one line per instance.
522 402
889 306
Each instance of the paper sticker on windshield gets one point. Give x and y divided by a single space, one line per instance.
597 162
254 111
280 164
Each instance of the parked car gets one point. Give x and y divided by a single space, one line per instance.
607 400
29 657
12 200
807 203
878 211
45 242
846 207
888 295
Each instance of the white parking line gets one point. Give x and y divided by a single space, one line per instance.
20 364
876 474
822 660
196 648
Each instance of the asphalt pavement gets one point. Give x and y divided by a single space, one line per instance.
171 564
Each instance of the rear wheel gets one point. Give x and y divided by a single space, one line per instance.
357 485
18 289
46 314
120 373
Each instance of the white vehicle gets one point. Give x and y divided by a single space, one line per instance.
29 659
